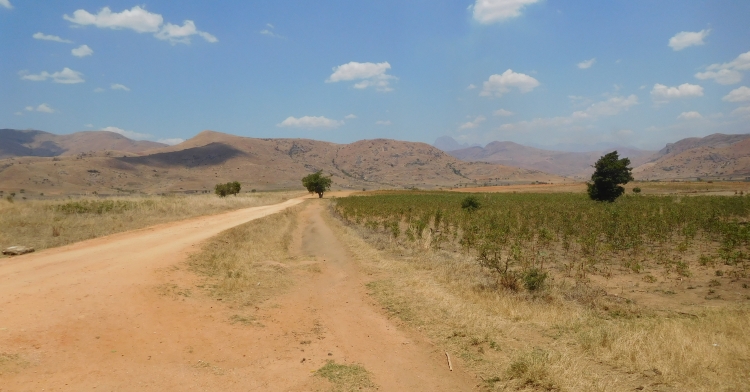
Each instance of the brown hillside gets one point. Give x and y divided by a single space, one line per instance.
570 164
17 143
716 159
210 158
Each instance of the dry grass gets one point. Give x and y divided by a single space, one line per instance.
50 223
558 339
346 378
249 263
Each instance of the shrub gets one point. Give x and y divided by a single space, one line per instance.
636 190
470 204
534 279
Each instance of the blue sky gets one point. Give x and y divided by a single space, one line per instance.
563 74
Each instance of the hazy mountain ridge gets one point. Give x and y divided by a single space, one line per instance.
211 157
18 143
564 163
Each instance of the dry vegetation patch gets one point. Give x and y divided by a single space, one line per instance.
45 224
574 332
346 378
249 263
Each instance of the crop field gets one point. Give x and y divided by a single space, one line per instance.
557 292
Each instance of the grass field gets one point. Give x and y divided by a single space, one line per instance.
45 224
555 292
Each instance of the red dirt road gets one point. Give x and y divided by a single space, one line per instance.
90 316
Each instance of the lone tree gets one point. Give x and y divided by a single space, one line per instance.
316 183
611 171
230 188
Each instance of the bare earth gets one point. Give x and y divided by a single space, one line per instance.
92 315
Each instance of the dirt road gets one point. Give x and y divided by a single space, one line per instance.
91 316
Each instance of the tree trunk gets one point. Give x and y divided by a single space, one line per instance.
320 195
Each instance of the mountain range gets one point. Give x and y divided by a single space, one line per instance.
715 156
197 164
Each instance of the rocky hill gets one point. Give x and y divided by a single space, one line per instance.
18 143
716 156
196 165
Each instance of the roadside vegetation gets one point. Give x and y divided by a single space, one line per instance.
558 292
248 263
45 224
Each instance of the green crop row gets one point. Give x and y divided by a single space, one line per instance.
517 232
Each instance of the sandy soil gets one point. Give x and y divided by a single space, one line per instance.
107 314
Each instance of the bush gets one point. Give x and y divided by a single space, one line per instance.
534 279
471 204
636 190
230 188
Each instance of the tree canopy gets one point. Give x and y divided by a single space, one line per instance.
317 183
610 171
230 188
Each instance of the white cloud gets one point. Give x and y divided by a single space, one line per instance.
610 107
171 141
490 11
743 111
19 113
82 51
99 90
727 73
367 74
141 21
350 117
586 64
181 34
269 31
472 124
471 87
88 125
722 76
44 108
741 94
6 4
498 85
689 116
137 19
662 93
384 122
118 86
502 112
686 39
66 76
310 122
55 38
128 134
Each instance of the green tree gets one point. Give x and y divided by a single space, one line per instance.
221 189
610 171
317 183
234 187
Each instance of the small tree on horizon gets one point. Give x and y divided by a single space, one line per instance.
230 188
610 172
316 183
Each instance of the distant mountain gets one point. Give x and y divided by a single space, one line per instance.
17 143
569 164
447 143
210 157
713 156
